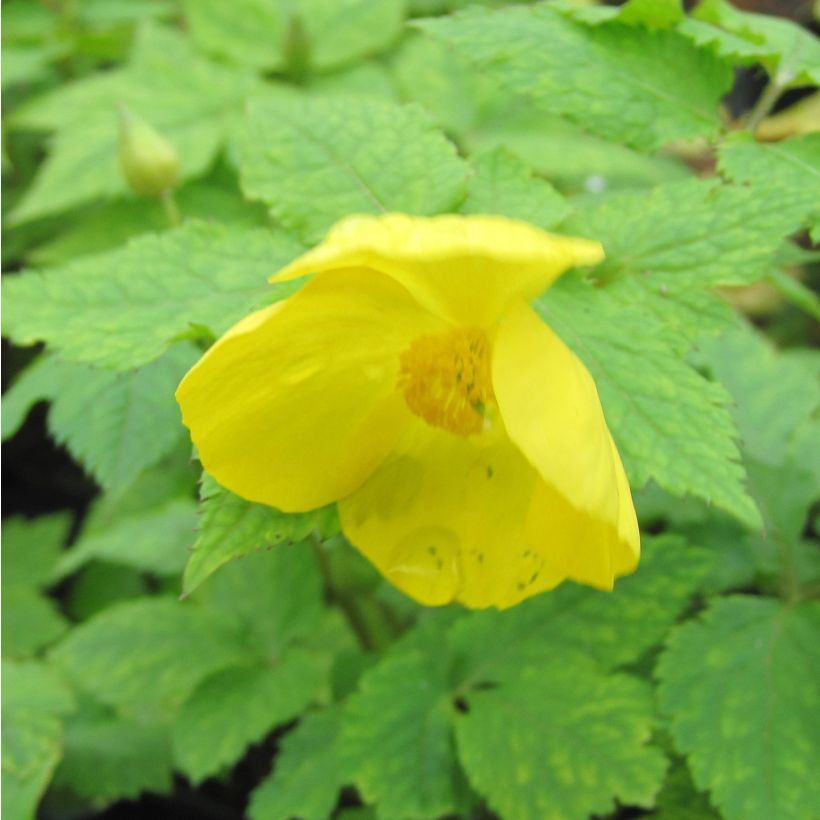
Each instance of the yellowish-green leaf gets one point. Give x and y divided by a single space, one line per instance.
560 741
740 685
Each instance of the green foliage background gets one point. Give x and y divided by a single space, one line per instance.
690 692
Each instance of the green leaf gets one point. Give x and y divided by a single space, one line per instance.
785 495
188 99
114 424
651 13
740 686
669 422
621 82
369 79
613 628
110 225
314 161
32 547
25 65
788 170
396 738
99 586
34 699
31 621
230 527
108 757
278 595
568 156
679 800
503 184
239 706
249 33
427 72
749 366
124 308
789 53
156 541
145 657
307 774
690 234
256 33
35 686
560 741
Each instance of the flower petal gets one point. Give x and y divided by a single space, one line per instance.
585 548
550 406
467 269
551 410
297 404
444 517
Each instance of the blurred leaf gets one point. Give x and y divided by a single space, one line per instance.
790 167
107 226
230 527
239 706
624 83
361 79
100 585
248 32
429 73
651 13
123 309
565 154
277 595
156 541
785 495
25 64
188 99
145 657
31 621
503 184
668 421
314 161
740 686
32 547
612 628
759 379
307 774
114 424
560 741
108 757
34 699
790 54
679 800
396 738
255 33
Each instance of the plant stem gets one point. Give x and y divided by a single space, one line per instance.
765 103
363 613
169 205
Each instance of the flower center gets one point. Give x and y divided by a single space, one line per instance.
445 379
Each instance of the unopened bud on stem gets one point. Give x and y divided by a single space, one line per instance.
149 162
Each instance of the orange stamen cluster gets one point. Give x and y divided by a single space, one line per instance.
446 379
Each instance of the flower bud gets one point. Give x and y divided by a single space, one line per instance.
148 161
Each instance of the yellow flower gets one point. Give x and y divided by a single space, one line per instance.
410 381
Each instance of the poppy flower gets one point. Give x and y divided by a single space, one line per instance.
410 381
